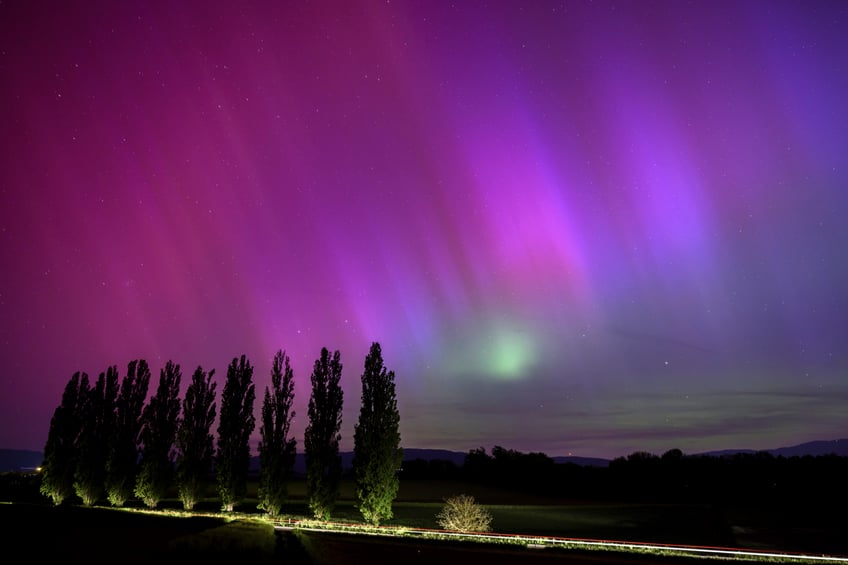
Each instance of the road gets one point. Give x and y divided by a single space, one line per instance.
323 547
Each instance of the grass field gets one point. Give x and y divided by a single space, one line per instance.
83 531
802 528
73 534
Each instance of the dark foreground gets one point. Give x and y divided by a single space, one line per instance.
341 549
76 534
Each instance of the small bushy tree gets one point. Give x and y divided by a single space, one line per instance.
462 513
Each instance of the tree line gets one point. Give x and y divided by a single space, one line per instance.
643 477
108 442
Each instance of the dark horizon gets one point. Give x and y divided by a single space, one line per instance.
838 447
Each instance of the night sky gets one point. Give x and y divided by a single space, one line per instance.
574 227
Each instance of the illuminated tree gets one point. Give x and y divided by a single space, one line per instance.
237 422
276 448
122 465
323 462
61 451
96 437
194 440
158 433
377 454
462 513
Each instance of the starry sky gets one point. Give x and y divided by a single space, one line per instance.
574 227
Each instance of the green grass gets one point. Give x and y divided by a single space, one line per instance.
143 536
211 536
418 502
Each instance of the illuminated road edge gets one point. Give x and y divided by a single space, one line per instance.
549 541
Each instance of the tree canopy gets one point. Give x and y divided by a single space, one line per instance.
276 447
98 426
160 419
122 466
236 423
323 462
195 448
377 454
61 451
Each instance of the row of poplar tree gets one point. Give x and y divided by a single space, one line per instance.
104 442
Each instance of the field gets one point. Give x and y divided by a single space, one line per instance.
805 528
419 501
86 534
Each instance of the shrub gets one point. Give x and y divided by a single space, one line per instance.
461 513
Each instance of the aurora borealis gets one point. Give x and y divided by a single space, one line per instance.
574 227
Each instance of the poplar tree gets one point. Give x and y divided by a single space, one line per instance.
195 447
237 422
276 448
323 462
158 433
122 466
61 452
98 425
377 454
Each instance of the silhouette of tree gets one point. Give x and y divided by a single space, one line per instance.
377 455
158 434
528 471
194 440
323 462
96 437
61 451
122 464
276 448
234 428
477 465
672 455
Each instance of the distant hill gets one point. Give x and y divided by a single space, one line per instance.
582 461
19 460
412 453
23 460
409 454
832 447
814 448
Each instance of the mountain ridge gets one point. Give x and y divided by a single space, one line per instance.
16 460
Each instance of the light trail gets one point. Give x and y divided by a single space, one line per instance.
553 541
